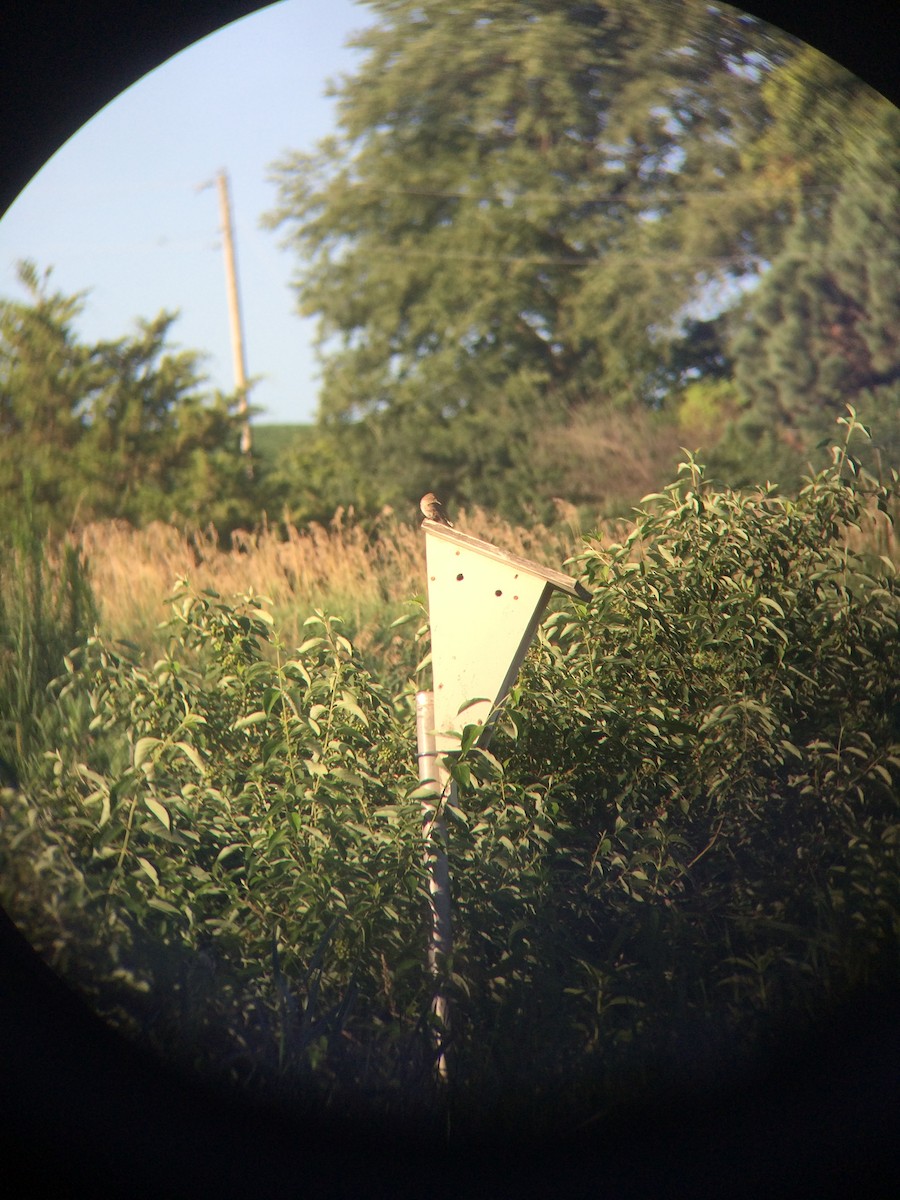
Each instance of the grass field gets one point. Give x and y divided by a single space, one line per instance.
366 576
268 440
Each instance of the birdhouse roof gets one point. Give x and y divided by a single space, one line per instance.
557 579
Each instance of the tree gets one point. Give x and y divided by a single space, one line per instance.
44 374
820 331
508 229
116 429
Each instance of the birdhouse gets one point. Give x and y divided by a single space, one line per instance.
484 607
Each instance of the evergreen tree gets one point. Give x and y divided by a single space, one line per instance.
821 331
116 429
520 204
45 375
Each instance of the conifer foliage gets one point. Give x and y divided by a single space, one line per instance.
116 429
821 330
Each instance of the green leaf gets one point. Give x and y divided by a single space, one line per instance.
149 870
142 748
310 643
470 735
348 703
461 772
792 749
255 718
159 811
191 753
226 851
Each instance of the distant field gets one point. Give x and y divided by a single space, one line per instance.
269 439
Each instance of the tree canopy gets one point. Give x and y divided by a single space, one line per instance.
117 429
517 210
821 329
539 228
550 245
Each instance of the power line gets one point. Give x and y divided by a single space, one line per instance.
589 197
563 261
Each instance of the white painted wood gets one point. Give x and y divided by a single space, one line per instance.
484 607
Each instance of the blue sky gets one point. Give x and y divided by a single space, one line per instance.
116 210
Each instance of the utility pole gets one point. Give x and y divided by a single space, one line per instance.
234 309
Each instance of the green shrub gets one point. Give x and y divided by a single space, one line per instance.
723 721
240 833
684 834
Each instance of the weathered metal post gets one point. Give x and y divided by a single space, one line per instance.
434 797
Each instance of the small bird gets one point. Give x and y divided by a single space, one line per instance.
432 508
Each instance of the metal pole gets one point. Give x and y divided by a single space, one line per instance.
434 826
234 308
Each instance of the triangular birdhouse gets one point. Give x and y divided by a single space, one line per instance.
484 607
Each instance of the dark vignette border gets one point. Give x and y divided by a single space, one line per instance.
82 1112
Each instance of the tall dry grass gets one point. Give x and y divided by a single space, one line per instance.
367 575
